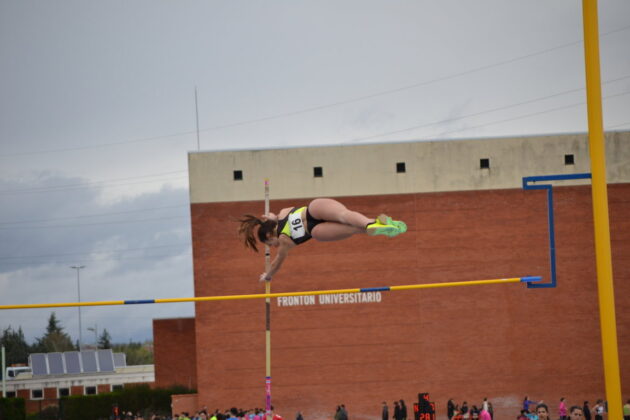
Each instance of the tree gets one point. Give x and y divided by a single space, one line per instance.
136 353
55 339
15 345
105 340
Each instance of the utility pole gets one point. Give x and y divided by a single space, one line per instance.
78 268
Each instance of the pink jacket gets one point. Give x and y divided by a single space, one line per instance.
562 409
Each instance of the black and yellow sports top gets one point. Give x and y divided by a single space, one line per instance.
293 227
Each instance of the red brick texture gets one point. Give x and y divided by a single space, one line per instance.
174 352
500 341
184 403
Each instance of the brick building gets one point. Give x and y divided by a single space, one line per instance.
468 219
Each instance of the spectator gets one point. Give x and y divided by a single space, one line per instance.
474 412
403 410
542 411
385 412
576 413
586 410
599 410
344 412
626 410
523 416
450 409
338 413
464 410
531 416
527 402
562 409
490 410
298 416
396 415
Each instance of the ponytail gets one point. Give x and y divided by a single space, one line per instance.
246 230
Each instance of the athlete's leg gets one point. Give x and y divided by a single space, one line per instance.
333 231
333 211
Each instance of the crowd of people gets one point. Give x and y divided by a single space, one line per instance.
539 410
400 410
204 414
483 411
530 410
534 410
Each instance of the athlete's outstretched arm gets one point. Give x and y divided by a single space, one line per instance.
283 251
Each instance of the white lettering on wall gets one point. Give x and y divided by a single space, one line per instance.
330 299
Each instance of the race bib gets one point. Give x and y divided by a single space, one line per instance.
296 225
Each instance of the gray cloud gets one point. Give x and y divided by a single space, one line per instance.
136 248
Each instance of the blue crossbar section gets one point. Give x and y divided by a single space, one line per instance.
375 289
137 302
529 279
552 235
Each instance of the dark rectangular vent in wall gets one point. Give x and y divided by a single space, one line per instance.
484 163
238 175
569 160
400 168
318 172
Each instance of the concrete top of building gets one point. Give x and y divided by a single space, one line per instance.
397 168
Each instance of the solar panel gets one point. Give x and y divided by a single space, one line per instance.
73 364
120 360
38 364
55 364
105 360
88 359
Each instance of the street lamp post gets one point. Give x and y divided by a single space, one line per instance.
95 331
78 268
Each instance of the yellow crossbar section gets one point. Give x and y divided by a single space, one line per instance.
274 295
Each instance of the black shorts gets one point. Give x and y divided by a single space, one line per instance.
311 222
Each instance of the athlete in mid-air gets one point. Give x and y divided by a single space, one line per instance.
324 219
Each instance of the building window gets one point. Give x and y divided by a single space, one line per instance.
37 394
90 390
569 160
484 163
117 388
318 172
400 168
238 175
11 394
64 392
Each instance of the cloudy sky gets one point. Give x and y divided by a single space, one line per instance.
97 114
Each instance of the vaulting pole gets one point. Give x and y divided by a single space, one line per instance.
606 293
267 317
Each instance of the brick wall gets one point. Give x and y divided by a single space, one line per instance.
501 341
174 352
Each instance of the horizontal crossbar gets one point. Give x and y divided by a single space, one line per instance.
274 295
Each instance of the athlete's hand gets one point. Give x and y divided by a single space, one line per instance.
265 277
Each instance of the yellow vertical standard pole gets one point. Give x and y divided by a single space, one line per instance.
608 323
267 318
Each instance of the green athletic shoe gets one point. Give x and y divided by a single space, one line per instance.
384 225
402 227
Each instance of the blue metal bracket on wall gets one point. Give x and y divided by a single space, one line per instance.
552 236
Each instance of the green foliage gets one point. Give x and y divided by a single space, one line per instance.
12 409
15 346
136 353
48 413
140 398
55 339
105 340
